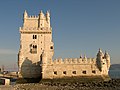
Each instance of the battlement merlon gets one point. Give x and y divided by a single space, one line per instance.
74 61
105 58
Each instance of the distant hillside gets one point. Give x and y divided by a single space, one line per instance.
115 67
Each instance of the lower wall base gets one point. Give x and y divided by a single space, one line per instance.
78 79
65 79
29 76
28 80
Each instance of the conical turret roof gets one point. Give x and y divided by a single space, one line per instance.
100 53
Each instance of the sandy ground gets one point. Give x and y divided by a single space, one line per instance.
27 87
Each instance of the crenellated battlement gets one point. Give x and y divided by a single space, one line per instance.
34 28
33 17
74 61
40 16
41 20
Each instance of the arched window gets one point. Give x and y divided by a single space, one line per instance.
33 49
74 72
34 36
84 72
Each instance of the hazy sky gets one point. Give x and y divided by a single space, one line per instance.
79 27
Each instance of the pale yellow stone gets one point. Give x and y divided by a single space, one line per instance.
35 55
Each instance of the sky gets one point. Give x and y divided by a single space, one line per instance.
80 27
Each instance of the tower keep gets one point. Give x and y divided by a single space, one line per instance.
35 38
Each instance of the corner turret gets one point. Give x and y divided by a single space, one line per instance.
48 15
48 18
107 57
100 54
100 57
41 19
103 62
41 15
25 15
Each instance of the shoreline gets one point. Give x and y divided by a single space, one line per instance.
113 84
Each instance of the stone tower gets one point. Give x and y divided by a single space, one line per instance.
107 57
35 39
103 62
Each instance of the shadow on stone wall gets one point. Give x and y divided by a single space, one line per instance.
31 70
98 64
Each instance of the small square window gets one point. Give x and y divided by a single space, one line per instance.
33 49
64 72
55 72
94 71
51 47
74 72
84 72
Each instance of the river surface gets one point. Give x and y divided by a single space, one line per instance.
114 74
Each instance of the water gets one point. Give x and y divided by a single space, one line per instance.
114 74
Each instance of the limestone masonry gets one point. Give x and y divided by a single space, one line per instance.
37 49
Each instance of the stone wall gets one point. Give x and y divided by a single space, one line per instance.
71 67
75 67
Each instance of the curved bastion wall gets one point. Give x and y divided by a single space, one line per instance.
72 67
